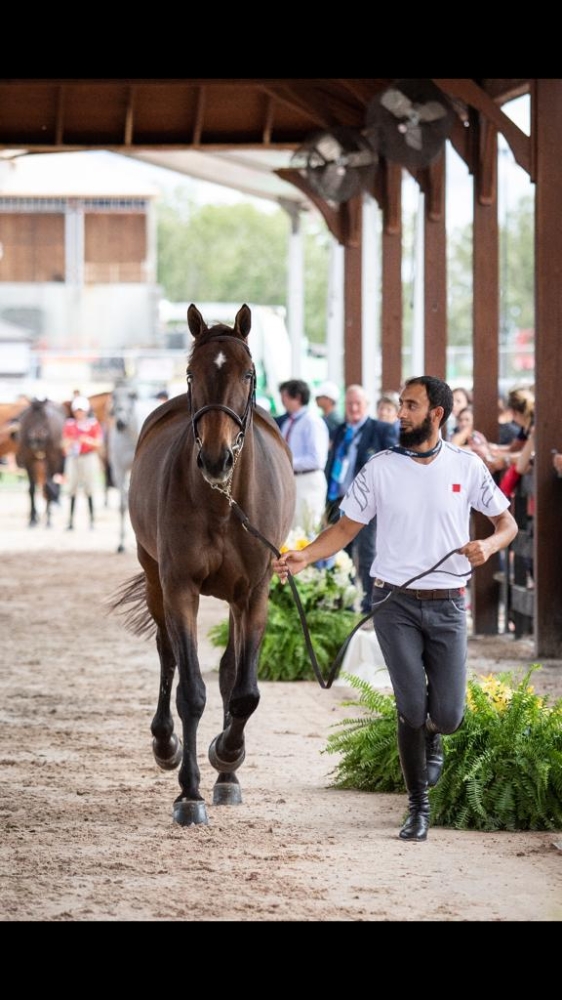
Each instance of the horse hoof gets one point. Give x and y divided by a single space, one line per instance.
227 766
173 759
188 813
226 793
121 548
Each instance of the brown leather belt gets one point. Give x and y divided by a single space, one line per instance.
422 595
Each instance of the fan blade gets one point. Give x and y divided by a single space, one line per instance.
362 158
328 147
396 102
335 183
413 137
432 111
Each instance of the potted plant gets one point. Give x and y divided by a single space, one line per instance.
328 595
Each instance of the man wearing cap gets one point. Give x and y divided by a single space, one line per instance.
327 395
82 439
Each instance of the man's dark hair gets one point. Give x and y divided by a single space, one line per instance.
296 388
439 393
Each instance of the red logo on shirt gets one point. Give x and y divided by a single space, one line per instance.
456 487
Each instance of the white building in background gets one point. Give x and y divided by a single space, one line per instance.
78 266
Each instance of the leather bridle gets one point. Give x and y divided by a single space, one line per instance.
241 421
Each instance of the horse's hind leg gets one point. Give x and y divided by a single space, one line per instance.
166 746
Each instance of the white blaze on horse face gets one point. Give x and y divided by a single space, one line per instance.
220 359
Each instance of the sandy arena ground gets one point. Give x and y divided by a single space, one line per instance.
86 816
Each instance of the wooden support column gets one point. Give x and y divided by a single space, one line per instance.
389 197
353 289
484 589
345 222
432 181
546 118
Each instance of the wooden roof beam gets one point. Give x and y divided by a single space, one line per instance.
342 220
311 106
130 117
469 92
59 122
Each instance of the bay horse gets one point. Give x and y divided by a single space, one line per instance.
201 457
39 451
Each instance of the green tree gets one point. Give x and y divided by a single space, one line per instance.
459 286
222 253
518 245
316 239
516 275
218 253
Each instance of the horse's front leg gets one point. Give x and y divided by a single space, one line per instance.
33 518
226 790
123 506
240 696
189 807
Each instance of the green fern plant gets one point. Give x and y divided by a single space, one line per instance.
327 596
503 767
367 743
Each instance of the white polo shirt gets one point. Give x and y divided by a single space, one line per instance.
423 512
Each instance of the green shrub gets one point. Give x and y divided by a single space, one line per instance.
327 595
503 766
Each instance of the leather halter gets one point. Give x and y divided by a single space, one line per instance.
241 421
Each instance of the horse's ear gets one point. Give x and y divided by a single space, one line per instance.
195 321
243 321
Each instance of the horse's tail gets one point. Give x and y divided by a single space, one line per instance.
129 602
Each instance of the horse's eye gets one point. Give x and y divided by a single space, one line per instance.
189 377
248 376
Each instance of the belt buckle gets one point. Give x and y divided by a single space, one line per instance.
377 582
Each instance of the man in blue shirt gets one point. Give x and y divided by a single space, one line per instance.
353 444
307 436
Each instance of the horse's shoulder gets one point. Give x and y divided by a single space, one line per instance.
173 410
265 424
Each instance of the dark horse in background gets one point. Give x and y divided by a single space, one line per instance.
39 451
205 460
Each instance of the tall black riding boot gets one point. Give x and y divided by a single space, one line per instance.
412 750
71 518
434 752
91 509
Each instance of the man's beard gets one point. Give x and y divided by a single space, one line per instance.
421 434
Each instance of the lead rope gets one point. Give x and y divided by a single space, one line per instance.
334 669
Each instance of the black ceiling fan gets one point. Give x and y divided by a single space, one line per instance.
338 163
409 122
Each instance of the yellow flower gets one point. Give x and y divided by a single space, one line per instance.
498 692
299 543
